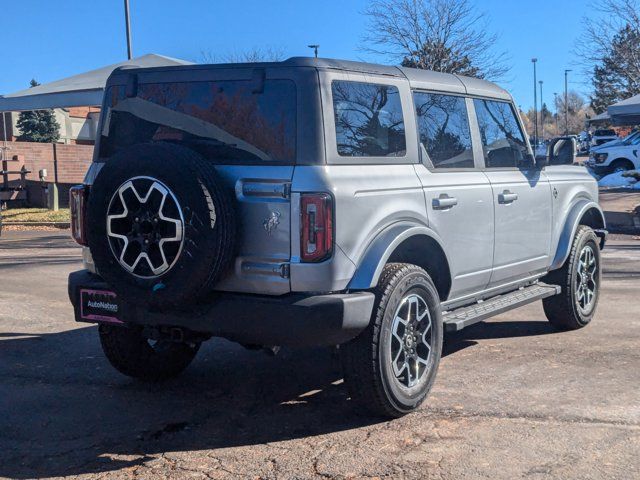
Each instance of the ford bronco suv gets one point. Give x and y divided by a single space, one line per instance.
320 202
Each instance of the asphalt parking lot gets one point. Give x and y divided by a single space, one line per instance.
513 398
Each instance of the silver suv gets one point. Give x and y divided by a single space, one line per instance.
324 202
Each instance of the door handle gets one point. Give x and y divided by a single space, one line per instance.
444 202
507 197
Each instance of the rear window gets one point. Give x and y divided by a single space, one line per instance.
226 121
369 120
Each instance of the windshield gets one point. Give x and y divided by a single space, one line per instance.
226 121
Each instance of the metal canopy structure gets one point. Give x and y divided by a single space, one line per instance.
599 119
626 112
84 89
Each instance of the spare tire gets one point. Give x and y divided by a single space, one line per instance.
161 227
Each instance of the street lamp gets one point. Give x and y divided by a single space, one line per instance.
535 103
541 111
566 104
555 106
128 28
315 49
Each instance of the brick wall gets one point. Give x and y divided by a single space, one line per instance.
73 162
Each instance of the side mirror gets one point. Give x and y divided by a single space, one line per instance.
562 151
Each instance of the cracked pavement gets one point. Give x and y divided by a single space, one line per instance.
513 398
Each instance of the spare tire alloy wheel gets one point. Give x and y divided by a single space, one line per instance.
161 225
145 226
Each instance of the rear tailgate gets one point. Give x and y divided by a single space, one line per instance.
264 240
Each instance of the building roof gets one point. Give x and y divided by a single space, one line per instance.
84 89
626 112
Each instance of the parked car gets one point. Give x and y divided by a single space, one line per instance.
616 156
602 136
584 140
323 202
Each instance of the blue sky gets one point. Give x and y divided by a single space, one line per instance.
52 40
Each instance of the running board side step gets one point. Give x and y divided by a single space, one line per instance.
455 320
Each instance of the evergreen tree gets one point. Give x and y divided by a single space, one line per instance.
38 125
618 75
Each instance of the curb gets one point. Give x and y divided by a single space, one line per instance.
38 224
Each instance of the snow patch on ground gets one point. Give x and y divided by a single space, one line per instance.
620 180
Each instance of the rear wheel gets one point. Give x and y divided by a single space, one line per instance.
579 278
134 355
391 366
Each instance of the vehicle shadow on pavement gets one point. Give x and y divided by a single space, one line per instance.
456 341
65 411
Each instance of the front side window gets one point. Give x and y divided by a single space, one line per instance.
443 126
226 121
369 120
502 140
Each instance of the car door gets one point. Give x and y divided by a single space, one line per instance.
458 195
521 195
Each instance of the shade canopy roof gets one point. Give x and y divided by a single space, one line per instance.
601 118
626 112
84 89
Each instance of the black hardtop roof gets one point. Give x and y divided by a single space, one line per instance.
417 78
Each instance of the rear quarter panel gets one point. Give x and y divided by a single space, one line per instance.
570 184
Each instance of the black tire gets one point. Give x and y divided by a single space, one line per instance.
621 165
565 311
367 360
134 355
201 205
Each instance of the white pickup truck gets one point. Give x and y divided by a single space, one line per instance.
616 156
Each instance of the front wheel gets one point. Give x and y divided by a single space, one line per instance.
391 366
579 278
134 355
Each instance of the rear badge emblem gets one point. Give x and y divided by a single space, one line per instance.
271 222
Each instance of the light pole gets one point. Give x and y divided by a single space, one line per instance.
555 105
535 103
541 111
315 49
566 104
128 27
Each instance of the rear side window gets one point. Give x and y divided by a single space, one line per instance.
443 126
502 140
369 120
226 121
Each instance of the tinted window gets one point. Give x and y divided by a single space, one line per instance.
502 140
443 126
226 121
604 133
369 120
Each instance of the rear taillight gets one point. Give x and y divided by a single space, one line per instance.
78 197
316 236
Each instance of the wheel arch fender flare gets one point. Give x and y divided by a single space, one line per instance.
381 249
583 212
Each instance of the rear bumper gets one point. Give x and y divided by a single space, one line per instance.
289 320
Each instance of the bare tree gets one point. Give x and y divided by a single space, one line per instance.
253 55
600 30
442 35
